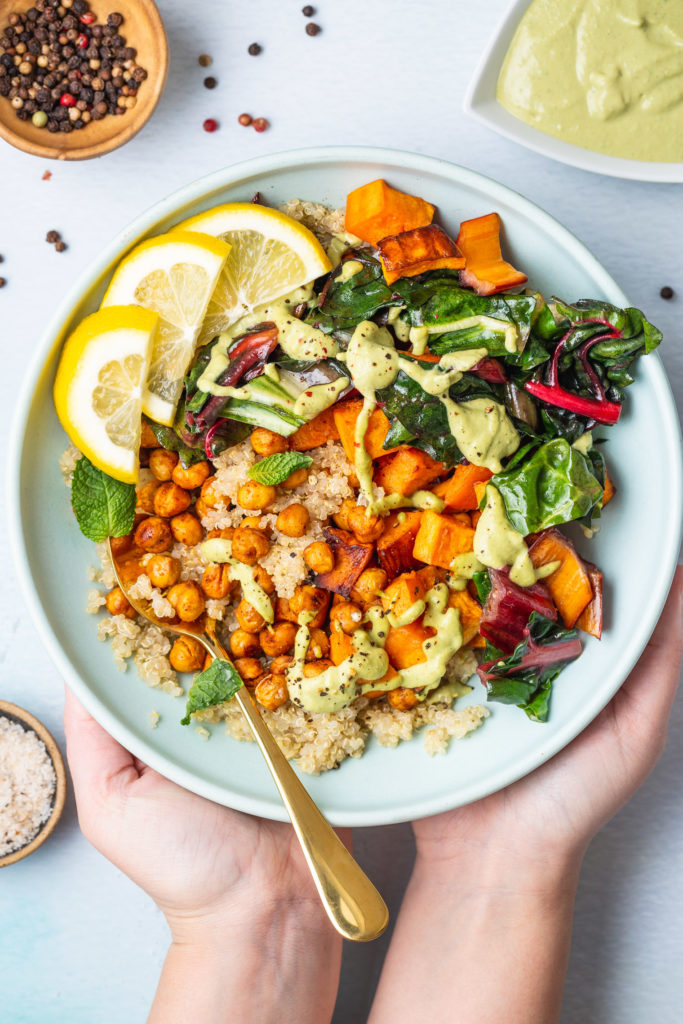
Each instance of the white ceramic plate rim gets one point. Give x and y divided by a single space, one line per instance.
480 103
141 226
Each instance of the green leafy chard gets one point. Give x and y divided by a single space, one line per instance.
104 507
215 685
556 485
526 676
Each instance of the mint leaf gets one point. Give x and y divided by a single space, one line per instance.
216 684
104 507
276 468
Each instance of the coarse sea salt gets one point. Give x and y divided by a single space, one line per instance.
27 785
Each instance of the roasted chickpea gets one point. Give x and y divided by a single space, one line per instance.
271 691
368 585
278 639
192 477
209 495
295 479
255 496
186 529
249 619
347 615
202 509
129 568
216 581
154 534
255 523
187 655
365 528
188 600
319 556
316 668
293 520
267 442
226 533
118 604
279 665
310 599
170 500
249 546
147 436
244 645
319 647
341 518
264 579
163 570
162 463
283 612
402 698
145 496
120 545
249 668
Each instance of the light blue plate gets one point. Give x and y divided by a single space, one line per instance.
636 549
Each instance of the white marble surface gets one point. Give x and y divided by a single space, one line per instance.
78 942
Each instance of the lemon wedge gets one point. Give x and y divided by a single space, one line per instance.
175 275
270 255
99 386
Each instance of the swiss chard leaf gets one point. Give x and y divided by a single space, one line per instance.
216 684
482 582
526 676
557 484
169 439
104 507
347 303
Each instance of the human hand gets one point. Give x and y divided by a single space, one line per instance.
223 879
551 814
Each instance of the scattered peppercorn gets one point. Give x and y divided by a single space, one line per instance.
308 11
60 246
210 125
61 69
3 282
204 60
254 49
52 237
667 292
244 119
46 175
312 29
260 124
210 83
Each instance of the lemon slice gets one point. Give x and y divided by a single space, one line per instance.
99 386
174 275
270 255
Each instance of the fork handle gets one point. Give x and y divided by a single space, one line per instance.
351 901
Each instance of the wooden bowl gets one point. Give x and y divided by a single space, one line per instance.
144 30
25 718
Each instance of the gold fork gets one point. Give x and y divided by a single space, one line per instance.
351 901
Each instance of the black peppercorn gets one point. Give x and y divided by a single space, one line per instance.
209 83
312 29
667 292
254 49
52 237
114 19
308 11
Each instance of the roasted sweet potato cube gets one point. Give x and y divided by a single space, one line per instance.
350 558
395 546
414 252
341 647
376 210
406 471
590 619
479 491
404 644
321 429
485 269
345 417
458 492
470 613
610 490
570 584
403 592
440 538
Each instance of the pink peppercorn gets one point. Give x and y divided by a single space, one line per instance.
259 124
244 119
67 100
210 125
87 18
82 41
